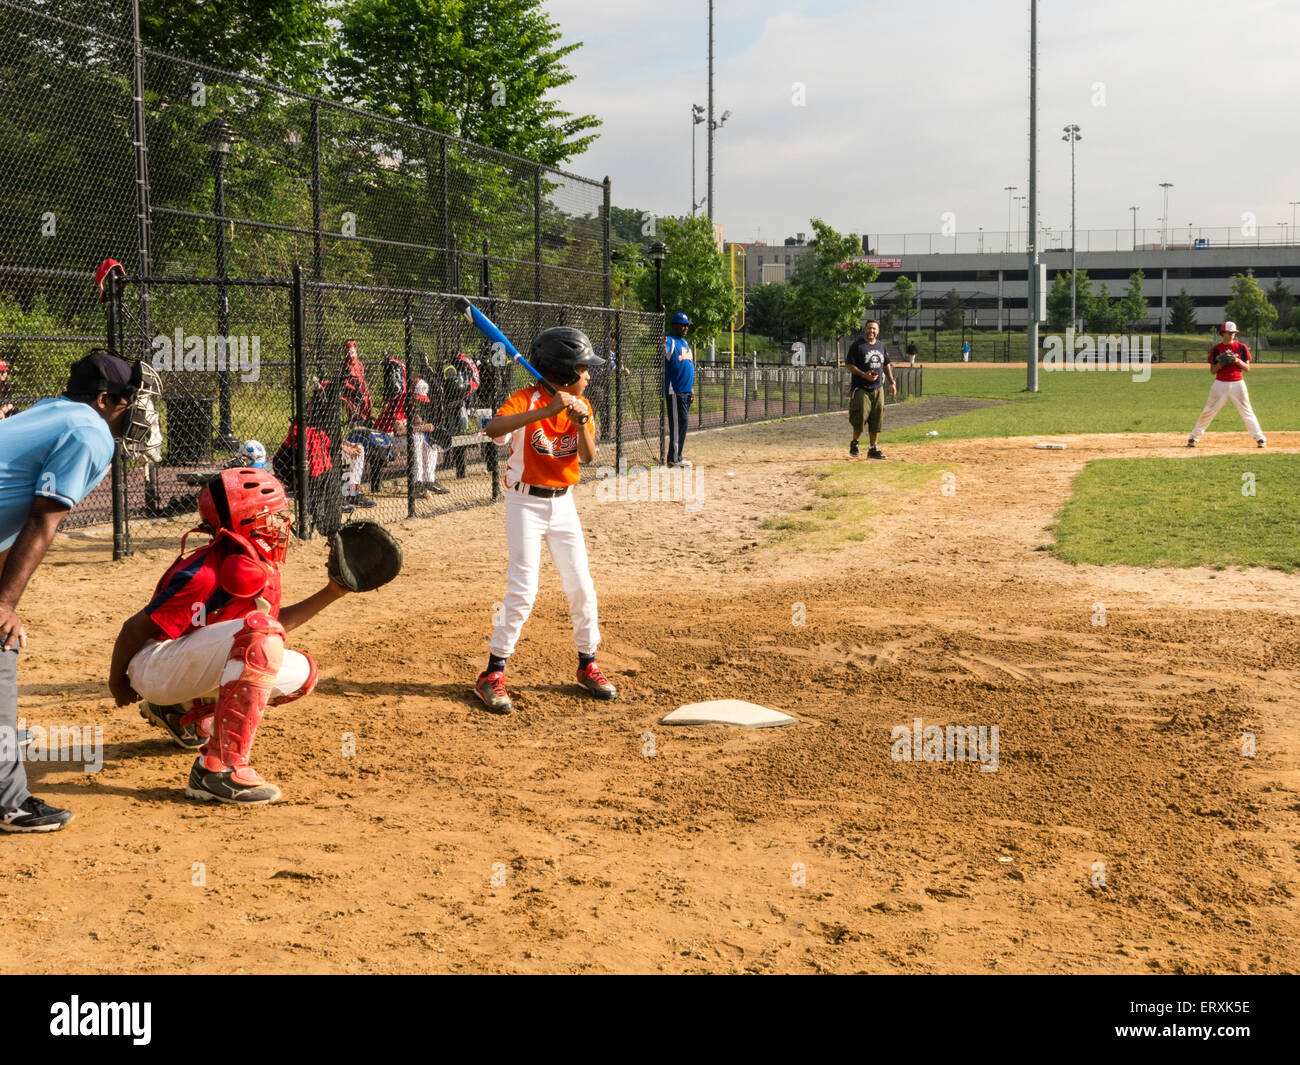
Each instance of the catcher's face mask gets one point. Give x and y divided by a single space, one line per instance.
271 531
142 434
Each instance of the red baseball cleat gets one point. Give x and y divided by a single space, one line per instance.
591 678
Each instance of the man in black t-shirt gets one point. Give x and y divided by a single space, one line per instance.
868 362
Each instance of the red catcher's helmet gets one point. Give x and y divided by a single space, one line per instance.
252 503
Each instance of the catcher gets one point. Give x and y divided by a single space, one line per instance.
207 654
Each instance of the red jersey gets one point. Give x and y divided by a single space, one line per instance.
219 582
1231 372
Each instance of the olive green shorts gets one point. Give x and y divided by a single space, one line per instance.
867 404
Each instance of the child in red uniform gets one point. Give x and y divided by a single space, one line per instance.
214 628
546 446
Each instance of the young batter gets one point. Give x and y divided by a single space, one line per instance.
546 447
207 654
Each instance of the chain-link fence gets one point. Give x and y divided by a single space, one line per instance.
179 169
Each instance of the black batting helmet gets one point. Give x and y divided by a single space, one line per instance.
558 352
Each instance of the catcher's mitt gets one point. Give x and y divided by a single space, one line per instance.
1225 358
363 556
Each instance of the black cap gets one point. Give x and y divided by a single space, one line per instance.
101 372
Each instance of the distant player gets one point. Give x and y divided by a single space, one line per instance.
1228 361
207 654
545 449
679 386
868 362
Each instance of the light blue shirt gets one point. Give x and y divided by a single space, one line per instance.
57 448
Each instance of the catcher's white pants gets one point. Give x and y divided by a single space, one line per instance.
1220 393
529 521
194 666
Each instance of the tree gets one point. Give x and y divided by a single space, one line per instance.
1098 311
695 278
1249 306
482 70
1131 308
952 312
1280 296
768 312
1058 302
828 292
904 300
1182 313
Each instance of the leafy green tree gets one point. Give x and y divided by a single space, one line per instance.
483 70
769 312
1249 306
1098 311
1058 302
1131 308
695 278
951 313
1280 296
1182 313
828 292
904 305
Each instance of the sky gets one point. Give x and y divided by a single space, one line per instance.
914 110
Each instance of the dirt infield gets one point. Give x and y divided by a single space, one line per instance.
580 836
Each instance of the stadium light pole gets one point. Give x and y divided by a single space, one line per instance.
1292 204
1031 338
1135 227
1008 189
1020 206
1072 135
1164 270
697 116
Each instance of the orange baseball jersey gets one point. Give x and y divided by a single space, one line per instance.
544 453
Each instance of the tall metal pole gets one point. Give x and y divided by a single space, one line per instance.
1135 227
709 192
694 201
1008 189
1031 370
1164 270
1072 135
225 435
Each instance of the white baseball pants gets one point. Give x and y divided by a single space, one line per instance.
351 479
529 521
166 672
1220 393
426 457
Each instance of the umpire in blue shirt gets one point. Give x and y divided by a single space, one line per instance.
679 386
51 456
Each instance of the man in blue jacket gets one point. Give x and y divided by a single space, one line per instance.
679 386
51 456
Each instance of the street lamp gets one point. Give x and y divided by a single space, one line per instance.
697 117
1072 135
1008 189
220 138
658 252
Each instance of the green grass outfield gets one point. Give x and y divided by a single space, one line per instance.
1098 402
1213 510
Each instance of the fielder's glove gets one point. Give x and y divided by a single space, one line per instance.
1225 358
363 556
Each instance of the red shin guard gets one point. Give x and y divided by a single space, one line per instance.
259 648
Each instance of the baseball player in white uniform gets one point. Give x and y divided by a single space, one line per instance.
1229 360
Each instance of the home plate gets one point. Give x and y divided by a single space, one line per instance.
1050 447
728 712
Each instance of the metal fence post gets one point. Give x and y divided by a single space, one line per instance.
617 370
800 373
726 382
606 263
448 252
537 232
410 403
121 532
317 242
297 327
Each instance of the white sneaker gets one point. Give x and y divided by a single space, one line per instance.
1261 443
